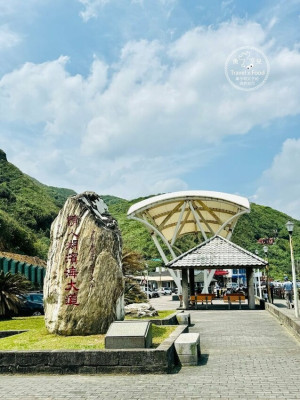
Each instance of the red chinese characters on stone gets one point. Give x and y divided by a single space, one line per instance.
71 257
73 220
72 271
71 285
73 245
71 300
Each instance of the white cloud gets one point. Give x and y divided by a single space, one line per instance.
123 129
280 184
92 8
8 38
8 7
20 7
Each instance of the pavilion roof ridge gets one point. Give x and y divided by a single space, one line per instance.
216 255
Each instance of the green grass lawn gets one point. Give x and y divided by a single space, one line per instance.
38 338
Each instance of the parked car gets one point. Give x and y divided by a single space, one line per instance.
150 293
31 304
165 291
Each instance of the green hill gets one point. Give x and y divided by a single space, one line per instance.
264 222
28 207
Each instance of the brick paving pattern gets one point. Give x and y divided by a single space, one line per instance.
245 355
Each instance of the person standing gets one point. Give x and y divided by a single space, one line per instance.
288 290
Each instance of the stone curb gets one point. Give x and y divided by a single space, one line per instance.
292 323
169 320
163 359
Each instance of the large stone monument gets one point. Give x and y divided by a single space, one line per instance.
84 285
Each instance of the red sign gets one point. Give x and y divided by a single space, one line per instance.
266 241
221 272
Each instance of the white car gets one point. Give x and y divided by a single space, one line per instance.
165 291
149 293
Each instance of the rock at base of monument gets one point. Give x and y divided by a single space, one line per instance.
129 335
140 310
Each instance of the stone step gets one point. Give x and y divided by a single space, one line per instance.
187 346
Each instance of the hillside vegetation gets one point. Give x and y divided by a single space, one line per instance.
264 222
28 207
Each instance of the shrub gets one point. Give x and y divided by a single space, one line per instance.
11 286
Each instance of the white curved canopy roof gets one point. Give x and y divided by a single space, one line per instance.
178 213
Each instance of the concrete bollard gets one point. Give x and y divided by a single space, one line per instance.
187 346
184 318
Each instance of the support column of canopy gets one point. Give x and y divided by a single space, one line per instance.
208 276
174 274
154 233
250 284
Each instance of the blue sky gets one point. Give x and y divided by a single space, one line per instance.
130 98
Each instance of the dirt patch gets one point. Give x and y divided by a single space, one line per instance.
20 257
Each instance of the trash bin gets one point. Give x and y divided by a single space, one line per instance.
262 304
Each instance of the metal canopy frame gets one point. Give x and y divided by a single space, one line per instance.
171 215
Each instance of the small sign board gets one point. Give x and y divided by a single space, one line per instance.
129 335
266 241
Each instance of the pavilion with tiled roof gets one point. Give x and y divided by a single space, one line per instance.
217 253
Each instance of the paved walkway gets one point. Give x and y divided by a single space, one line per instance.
245 355
281 303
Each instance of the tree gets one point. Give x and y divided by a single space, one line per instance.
132 263
11 286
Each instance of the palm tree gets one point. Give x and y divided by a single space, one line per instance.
132 262
11 286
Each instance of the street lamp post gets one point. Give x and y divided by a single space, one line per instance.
290 226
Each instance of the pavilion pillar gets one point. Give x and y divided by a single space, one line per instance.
250 285
192 281
185 288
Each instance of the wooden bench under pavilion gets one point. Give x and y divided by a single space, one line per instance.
204 298
234 298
